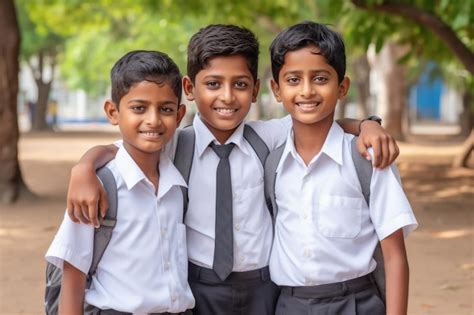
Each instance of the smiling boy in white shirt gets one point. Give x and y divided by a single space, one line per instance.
325 233
141 270
222 80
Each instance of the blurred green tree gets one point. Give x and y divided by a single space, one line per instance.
413 24
40 48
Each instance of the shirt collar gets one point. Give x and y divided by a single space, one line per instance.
132 174
169 176
332 147
128 169
204 136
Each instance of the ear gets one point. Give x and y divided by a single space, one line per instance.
181 113
112 112
275 89
188 88
256 88
344 87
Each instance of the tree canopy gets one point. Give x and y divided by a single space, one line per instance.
96 33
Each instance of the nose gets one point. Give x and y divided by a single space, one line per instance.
153 118
227 96
307 89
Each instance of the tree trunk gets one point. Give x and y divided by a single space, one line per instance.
466 118
361 70
393 90
11 182
461 160
40 122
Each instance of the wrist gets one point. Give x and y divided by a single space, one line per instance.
372 118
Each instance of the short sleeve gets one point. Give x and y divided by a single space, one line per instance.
72 243
390 209
273 132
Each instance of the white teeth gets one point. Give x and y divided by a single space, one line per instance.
225 110
151 134
307 105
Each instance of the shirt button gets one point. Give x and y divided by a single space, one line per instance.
167 265
173 298
163 231
242 258
237 226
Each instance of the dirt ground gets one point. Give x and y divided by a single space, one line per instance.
440 250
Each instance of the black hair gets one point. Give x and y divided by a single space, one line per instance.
222 40
304 34
143 65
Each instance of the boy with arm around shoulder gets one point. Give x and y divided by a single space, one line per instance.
141 270
325 233
222 80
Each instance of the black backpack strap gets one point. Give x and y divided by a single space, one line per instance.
257 143
364 173
103 234
183 159
270 167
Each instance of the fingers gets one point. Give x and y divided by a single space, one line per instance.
377 147
79 214
92 211
385 158
103 202
362 148
70 212
394 150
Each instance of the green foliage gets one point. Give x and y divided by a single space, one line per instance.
94 34
36 37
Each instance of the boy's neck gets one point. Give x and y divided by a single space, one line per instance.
147 162
309 138
221 135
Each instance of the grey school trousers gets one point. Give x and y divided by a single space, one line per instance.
244 293
357 296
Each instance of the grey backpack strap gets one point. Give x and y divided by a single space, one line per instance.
103 234
364 173
270 167
257 143
183 159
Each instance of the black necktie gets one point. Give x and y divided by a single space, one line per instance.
224 249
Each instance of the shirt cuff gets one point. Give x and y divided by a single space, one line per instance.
405 220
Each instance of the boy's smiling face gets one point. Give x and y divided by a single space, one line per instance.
223 92
308 86
147 116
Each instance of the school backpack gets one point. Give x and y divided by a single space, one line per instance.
102 236
183 158
364 173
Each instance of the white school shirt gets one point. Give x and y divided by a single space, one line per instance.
144 268
252 224
324 231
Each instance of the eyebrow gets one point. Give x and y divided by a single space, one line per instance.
165 102
301 71
216 76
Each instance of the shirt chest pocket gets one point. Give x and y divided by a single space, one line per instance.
339 216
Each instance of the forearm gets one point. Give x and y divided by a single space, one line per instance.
396 274
97 157
73 285
349 125
397 278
